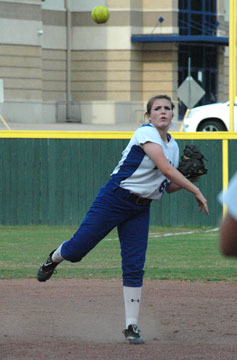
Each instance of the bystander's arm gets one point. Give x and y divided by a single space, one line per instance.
228 225
228 236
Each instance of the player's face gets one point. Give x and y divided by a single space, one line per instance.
161 114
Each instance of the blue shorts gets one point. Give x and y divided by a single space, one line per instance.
113 208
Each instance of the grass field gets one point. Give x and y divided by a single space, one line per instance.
173 254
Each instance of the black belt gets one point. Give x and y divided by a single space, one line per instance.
138 200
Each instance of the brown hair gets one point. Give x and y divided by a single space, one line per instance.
153 99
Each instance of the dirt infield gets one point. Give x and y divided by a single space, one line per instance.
83 319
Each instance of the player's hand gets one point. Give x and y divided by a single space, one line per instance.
202 202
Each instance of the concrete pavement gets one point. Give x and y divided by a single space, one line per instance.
73 126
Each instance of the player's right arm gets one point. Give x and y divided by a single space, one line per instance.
156 154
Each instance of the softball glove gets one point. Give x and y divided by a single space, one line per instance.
192 164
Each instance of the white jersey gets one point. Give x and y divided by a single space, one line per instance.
136 172
229 197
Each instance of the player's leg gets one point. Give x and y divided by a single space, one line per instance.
96 225
106 212
133 236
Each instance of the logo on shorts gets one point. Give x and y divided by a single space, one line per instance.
135 300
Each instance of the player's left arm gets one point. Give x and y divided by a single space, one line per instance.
172 187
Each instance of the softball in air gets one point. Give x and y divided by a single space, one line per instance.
100 14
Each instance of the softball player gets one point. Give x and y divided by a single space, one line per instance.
147 168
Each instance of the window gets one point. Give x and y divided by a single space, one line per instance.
197 17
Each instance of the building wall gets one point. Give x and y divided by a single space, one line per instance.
159 69
103 75
53 75
226 74
21 70
20 50
223 58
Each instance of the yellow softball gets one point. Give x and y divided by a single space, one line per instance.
100 14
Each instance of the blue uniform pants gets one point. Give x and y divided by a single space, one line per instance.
112 208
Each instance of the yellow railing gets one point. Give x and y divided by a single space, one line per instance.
24 134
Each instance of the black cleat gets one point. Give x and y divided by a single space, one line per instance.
47 269
133 335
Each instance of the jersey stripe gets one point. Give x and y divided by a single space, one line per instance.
130 164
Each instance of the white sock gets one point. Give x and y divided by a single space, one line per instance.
57 257
132 298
